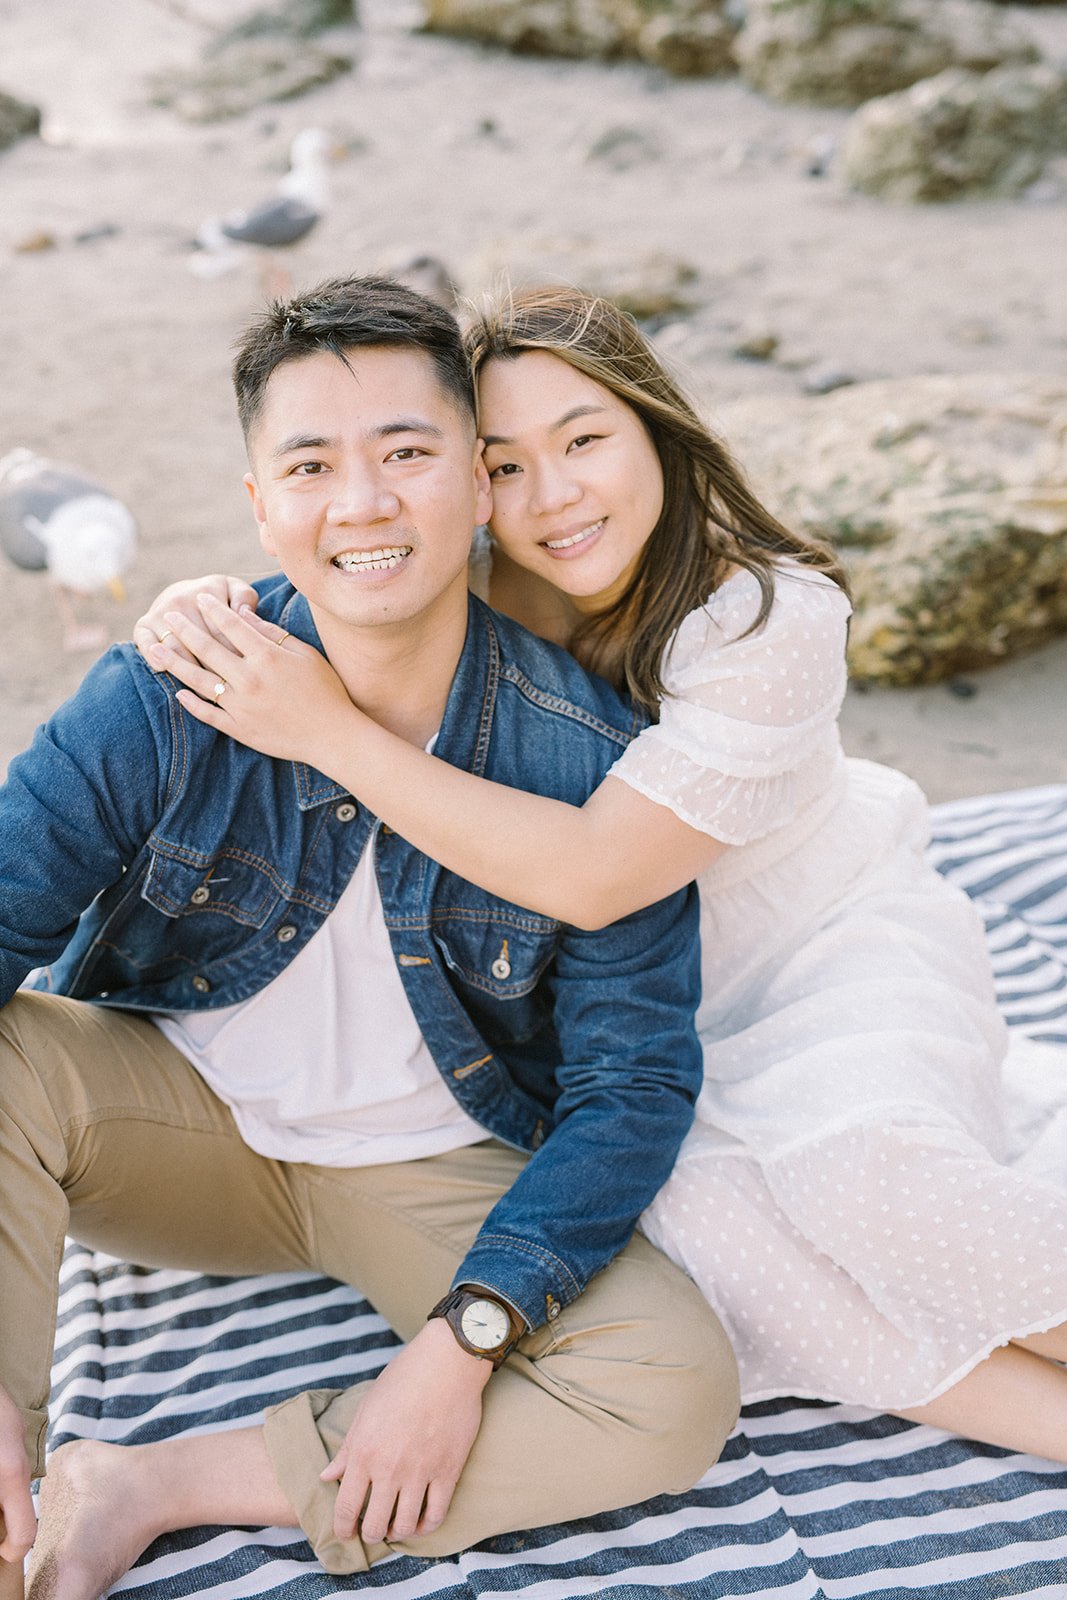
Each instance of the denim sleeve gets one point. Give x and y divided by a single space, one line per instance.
77 806
625 998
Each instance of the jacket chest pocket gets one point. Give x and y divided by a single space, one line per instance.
499 960
232 886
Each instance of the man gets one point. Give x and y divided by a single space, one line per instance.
279 1037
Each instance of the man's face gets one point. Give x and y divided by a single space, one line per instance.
367 483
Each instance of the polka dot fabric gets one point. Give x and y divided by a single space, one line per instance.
846 1199
747 736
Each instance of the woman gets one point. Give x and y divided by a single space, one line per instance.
843 1199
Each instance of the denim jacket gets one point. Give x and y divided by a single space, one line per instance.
159 866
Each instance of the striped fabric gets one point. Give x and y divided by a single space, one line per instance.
809 1502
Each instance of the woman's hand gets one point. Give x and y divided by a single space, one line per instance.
182 598
252 680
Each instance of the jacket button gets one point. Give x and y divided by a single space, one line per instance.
345 811
501 968
285 933
200 896
201 985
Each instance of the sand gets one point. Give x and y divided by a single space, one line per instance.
115 356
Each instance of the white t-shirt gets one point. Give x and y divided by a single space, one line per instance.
327 1063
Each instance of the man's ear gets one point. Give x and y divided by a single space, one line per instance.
259 511
482 485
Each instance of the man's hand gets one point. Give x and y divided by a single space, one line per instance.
404 1452
18 1525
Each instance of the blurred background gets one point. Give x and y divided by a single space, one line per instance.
844 222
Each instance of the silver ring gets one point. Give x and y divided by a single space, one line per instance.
220 690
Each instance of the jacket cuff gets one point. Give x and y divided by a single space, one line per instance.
533 1280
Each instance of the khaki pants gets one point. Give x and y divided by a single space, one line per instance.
108 1133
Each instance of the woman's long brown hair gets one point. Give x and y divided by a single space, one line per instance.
711 521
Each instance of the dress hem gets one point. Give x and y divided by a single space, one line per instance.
756 1396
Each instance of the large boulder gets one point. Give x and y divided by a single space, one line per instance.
687 37
647 283
17 118
236 77
299 19
842 52
946 497
957 134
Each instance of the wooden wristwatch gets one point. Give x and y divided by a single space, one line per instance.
483 1325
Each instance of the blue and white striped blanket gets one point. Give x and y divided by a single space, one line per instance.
809 1501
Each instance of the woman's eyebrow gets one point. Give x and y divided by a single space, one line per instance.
553 427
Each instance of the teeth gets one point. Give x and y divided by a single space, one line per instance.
575 538
372 560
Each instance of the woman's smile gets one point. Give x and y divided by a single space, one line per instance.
567 544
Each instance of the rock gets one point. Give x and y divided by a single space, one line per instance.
825 378
758 344
687 37
299 19
842 52
430 276
17 118
32 244
236 77
99 230
946 498
819 155
959 133
621 148
689 41
648 284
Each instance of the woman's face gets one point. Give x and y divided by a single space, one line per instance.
577 484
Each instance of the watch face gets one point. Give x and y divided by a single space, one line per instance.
485 1324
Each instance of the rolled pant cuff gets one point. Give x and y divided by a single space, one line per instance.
297 1454
36 1433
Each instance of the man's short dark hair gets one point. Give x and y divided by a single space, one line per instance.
339 315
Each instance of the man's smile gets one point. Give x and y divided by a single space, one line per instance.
380 559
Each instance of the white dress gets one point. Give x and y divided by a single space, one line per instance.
844 1199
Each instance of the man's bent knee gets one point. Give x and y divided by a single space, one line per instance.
702 1407
670 1366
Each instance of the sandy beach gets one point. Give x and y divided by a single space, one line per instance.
115 355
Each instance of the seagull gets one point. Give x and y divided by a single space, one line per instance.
53 519
283 218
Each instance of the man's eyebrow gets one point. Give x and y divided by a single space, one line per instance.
406 425
553 427
301 441
315 441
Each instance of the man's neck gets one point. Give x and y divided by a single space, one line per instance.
399 675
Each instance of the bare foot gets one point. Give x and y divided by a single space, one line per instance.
96 1517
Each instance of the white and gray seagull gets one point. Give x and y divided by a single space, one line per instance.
55 520
283 218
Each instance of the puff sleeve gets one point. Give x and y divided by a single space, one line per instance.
747 737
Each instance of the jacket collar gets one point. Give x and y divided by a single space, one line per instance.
468 718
